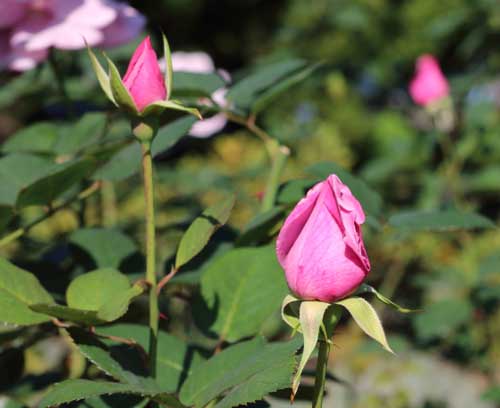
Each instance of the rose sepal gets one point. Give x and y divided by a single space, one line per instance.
101 75
120 94
316 321
158 107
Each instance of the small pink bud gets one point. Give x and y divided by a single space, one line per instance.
143 78
321 247
429 84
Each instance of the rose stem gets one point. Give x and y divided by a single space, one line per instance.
147 166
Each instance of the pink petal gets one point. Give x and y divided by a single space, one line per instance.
143 78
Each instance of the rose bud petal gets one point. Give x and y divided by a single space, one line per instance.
143 78
320 245
429 84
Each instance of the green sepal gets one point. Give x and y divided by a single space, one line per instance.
311 317
367 319
364 288
120 94
168 66
157 108
290 312
101 75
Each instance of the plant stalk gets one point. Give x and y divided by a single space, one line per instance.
321 369
279 159
147 167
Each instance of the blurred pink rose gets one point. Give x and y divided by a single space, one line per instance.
321 247
143 78
429 84
201 63
29 28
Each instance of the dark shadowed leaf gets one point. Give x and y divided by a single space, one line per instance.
18 170
75 390
62 177
175 358
107 247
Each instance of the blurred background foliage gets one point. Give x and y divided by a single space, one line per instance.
354 111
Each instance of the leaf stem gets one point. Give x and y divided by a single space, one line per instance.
147 167
321 369
83 195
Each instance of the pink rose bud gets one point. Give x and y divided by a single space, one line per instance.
429 84
143 78
321 247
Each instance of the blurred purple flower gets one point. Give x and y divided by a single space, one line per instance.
29 28
201 63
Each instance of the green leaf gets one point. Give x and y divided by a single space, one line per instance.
293 191
121 165
157 107
47 189
245 286
86 131
94 298
492 394
92 290
18 290
439 221
311 317
117 306
197 83
170 134
101 75
19 170
6 214
367 319
38 138
364 288
261 226
84 317
75 390
369 199
266 97
168 65
201 229
175 358
245 370
120 94
244 93
441 319
114 401
101 355
108 247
